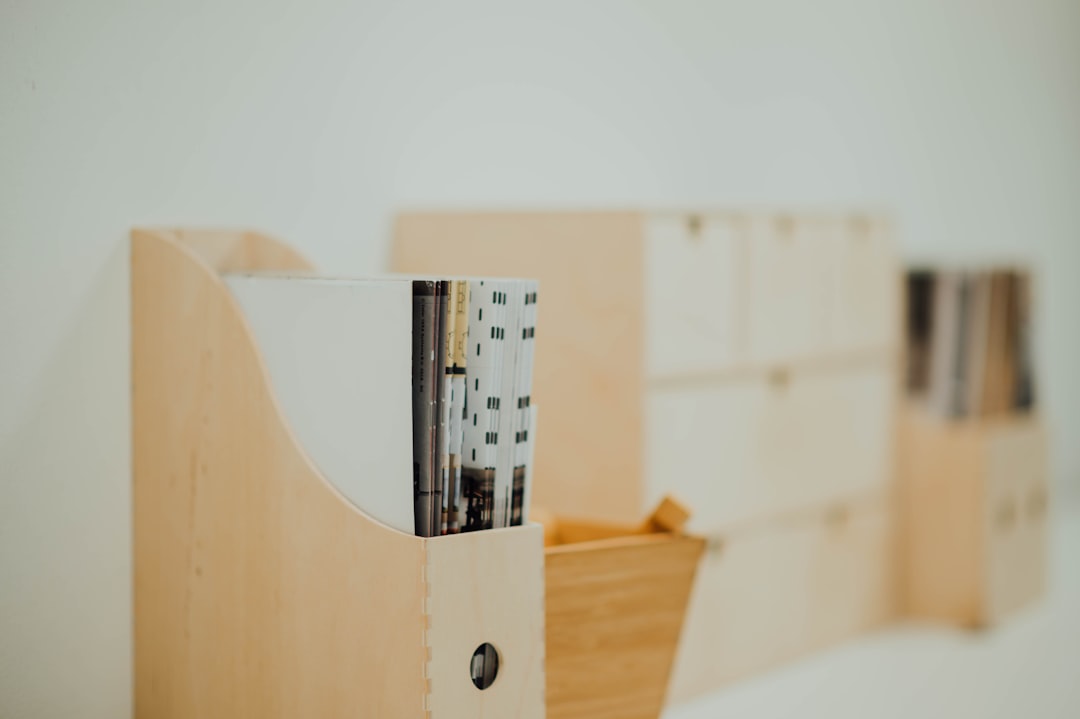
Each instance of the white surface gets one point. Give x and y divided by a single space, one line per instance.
1029 666
313 120
349 408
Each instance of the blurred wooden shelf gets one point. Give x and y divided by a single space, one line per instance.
974 508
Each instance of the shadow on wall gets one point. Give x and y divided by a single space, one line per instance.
65 524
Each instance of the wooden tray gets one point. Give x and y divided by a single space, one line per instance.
616 599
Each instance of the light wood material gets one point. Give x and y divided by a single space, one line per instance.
486 589
260 591
669 516
696 308
745 361
644 312
773 591
795 440
974 496
788 289
616 600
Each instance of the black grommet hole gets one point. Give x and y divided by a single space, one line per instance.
484 666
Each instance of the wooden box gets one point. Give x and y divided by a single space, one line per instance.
616 598
262 589
974 508
746 362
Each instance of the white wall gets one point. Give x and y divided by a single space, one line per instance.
315 120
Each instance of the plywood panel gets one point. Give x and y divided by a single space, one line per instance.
260 590
753 447
486 587
942 498
615 608
1015 529
974 508
864 313
694 311
249 567
789 276
775 591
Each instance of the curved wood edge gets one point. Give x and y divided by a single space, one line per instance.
223 251
234 250
259 590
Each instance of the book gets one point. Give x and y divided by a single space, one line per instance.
522 402
425 327
920 327
976 341
457 340
1023 396
969 341
480 436
944 345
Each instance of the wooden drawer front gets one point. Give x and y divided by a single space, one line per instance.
865 301
788 290
754 447
773 593
1015 511
692 293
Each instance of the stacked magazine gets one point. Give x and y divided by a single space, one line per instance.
969 341
473 419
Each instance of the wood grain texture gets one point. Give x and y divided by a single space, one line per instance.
589 351
486 587
615 609
259 590
974 506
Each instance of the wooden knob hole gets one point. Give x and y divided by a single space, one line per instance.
484 666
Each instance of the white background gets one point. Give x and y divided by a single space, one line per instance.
315 120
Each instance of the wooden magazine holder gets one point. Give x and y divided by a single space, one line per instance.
260 590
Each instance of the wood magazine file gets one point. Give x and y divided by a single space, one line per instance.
260 590
975 510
